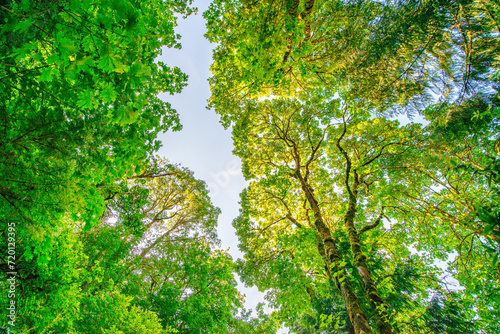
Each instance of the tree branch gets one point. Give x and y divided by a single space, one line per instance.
372 226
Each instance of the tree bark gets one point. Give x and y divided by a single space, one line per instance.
356 313
378 306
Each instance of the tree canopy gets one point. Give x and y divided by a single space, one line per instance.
357 218
342 195
98 234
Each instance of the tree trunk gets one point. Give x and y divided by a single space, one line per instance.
356 313
378 306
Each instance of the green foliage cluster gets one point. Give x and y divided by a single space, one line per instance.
348 212
107 237
352 221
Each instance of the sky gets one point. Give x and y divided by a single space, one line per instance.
203 145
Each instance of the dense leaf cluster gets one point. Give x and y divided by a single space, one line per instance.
105 237
352 221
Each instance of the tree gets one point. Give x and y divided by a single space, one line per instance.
279 69
369 52
79 115
166 225
150 265
79 103
319 165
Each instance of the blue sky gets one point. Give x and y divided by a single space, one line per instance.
203 145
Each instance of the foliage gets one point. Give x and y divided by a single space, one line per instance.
79 107
158 274
304 85
80 112
113 313
351 223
